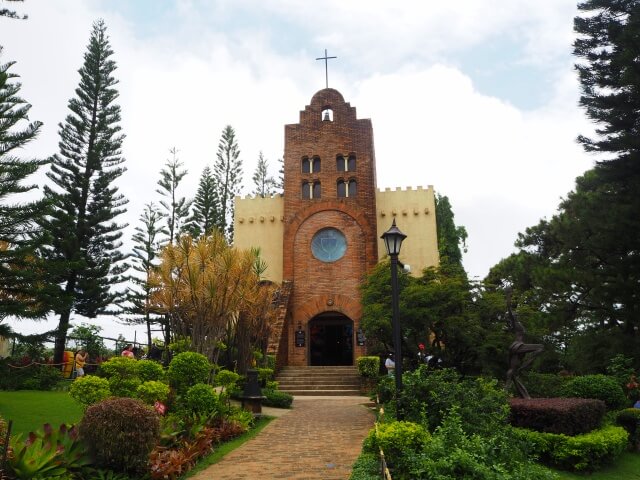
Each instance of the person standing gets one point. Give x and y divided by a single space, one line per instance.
81 360
128 352
390 364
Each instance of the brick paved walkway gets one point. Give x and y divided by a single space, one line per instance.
318 440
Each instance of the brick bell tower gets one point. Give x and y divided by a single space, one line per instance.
330 234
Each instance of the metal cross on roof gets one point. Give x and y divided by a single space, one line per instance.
326 66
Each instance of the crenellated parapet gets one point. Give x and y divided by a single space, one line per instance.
414 212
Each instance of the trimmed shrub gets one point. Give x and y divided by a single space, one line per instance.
586 452
89 389
120 433
265 374
150 370
570 416
276 398
124 386
368 367
600 387
201 399
153 391
629 419
226 379
119 366
187 369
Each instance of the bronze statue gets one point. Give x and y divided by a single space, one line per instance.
518 350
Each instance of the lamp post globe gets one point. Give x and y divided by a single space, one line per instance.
393 239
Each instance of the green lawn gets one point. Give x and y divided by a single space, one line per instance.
30 409
627 467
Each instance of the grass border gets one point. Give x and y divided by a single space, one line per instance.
227 447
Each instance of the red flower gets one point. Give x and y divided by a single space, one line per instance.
421 346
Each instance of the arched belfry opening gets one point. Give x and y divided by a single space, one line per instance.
330 340
327 114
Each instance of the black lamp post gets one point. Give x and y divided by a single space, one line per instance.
393 241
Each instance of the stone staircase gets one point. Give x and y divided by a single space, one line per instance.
322 381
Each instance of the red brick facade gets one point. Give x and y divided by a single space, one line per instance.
321 287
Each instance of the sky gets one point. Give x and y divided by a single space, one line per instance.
478 98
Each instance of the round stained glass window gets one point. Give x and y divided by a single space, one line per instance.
328 245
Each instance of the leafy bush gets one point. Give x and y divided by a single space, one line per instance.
276 398
452 454
242 417
201 399
600 387
429 394
367 467
124 386
570 416
124 367
629 419
153 391
585 452
368 367
34 377
187 369
150 370
265 374
89 389
226 379
120 433
398 440
544 385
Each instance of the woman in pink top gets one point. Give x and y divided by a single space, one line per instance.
128 352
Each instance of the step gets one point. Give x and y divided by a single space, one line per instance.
324 393
318 381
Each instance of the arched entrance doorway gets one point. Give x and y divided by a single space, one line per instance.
330 340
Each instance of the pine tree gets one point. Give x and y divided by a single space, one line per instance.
5 12
450 236
264 183
228 177
144 256
279 184
607 48
83 257
205 214
176 208
18 234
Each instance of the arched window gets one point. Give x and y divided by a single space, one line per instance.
306 190
315 167
340 164
316 190
352 190
306 165
347 188
351 163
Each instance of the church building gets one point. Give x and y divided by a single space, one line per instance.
321 237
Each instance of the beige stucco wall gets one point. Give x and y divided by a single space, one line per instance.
259 223
415 213
5 347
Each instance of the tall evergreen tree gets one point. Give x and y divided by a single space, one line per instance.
83 256
205 208
176 207
18 283
227 173
608 48
279 185
145 255
264 183
5 12
450 237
